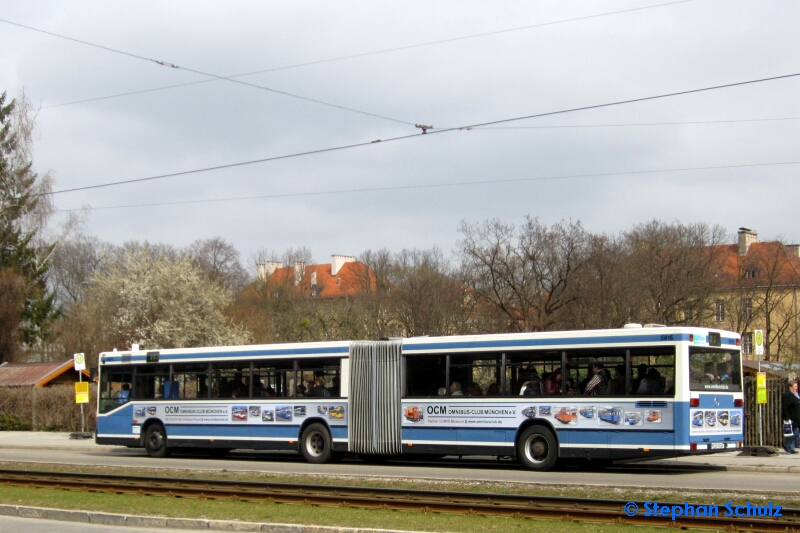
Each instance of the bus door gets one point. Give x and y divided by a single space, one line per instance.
375 391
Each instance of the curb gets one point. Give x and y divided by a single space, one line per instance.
48 448
788 469
110 519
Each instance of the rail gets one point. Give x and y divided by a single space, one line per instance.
515 506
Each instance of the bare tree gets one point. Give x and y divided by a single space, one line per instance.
602 289
219 260
523 273
301 254
674 267
427 297
373 293
73 263
771 273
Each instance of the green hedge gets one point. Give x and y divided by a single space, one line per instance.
45 409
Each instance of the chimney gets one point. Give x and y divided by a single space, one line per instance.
338 261
299 271
265 270
313 278
746 238
272 266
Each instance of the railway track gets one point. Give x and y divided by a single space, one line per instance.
515 506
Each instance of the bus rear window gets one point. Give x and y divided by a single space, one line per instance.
714 370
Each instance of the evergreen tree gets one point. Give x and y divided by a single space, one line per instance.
23 209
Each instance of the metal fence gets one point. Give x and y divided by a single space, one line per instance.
772 421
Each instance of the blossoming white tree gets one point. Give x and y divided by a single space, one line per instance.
161 301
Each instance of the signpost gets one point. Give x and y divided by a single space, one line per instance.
761 383
81 388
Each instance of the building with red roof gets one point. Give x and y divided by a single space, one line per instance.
760 282
343 276
39 374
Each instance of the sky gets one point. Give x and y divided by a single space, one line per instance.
356 72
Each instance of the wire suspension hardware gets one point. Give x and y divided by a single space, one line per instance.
443 130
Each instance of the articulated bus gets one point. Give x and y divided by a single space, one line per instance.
625 393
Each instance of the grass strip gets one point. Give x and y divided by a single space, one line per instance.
295 514
693 496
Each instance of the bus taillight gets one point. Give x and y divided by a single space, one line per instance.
693 446
738 402
694 402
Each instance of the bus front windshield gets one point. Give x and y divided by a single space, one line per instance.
714 369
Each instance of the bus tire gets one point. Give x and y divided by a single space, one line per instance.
315 443
537 449
155 441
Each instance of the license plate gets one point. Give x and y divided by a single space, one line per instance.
717 445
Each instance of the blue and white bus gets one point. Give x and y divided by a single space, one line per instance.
633 392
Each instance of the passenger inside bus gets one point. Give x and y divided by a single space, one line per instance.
125 393
336 388
599 382
258 386
474 390
318 389
616 386
709 375
651 384
641 374
724 371
552 385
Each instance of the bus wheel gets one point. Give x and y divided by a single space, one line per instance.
155 441
537 449
315 443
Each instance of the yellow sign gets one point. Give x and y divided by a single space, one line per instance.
761 387
82 392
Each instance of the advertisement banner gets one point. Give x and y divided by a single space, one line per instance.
715 421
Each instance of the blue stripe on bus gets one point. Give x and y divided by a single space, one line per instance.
628 437
597 437
118 423
555 341
414 347
164 357
288 432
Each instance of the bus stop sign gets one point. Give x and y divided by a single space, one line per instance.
82 392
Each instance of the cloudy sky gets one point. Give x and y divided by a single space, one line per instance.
356 72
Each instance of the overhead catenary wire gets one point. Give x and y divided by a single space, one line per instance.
440 185
211 75
636 124
429 134
364 54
